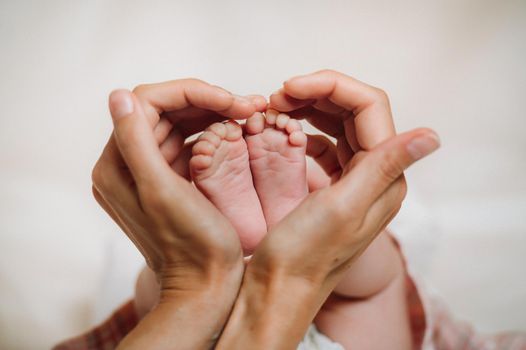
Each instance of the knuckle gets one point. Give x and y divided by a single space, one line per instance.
193 81
357 158
96 195
402 189
98 177
389 168
328 71
332 74
191 84
381 95
140 90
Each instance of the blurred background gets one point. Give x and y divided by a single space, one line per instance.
454 65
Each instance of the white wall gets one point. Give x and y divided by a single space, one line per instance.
456 66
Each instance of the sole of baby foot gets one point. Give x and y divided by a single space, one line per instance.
220 169
276 147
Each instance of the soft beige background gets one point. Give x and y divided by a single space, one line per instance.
456 66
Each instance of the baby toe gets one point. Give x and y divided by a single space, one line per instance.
200 162
270 117
219 129
293 125
233 131
282 120
298 139
211 137
255 124
203 147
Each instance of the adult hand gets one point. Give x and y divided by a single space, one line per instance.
301 260
191 247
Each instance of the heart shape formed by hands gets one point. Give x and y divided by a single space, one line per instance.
188 242
356 114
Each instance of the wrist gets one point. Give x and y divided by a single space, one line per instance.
182 325
190 314
272 311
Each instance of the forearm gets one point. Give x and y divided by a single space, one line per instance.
173 325
187 319
373 271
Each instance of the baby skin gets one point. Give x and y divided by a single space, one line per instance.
242 177
255 178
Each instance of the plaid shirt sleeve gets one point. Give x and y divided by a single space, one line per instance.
108 334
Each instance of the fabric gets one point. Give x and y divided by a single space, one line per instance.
107 335
315 340
448 333
432 328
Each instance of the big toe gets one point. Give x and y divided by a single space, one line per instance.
255 124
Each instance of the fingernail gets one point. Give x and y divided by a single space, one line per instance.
121 104
423 145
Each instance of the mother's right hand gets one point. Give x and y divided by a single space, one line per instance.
302 258
140 181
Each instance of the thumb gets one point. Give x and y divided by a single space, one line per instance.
384 164
134 137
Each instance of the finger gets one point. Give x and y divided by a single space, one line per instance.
333 125
114 191
383 165
323 151
191 112
329 124
351 164
350 134
113 181
316 177
344 151
327 106
370 105
190 127
259 102
135 138
172 145
180 94
162 129
191 120
282 102
181 163
326 122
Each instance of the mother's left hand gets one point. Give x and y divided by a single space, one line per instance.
185 240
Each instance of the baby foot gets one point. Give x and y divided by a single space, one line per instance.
221 171
276 147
